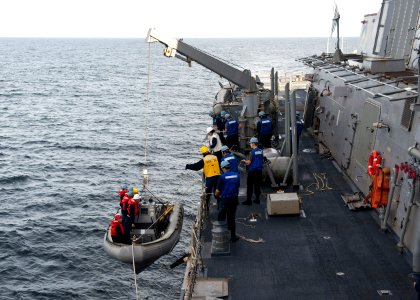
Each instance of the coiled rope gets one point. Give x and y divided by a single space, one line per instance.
321 184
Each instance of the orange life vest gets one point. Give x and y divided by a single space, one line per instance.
124 202
134 203
117 228
122 193
380 188
374 162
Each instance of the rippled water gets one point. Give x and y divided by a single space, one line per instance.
73 115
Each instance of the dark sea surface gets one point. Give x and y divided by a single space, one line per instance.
73 120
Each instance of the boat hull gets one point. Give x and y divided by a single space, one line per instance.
146 253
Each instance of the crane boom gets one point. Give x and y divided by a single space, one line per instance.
238 77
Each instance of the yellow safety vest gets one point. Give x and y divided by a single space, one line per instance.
211 166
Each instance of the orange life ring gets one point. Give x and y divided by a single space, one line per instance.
375 160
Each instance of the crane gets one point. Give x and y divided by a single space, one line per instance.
177 48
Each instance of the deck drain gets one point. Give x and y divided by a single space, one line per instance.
384 292
339 274
326 237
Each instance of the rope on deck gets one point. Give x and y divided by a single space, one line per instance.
321 184
260 240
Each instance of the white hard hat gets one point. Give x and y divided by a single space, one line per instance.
136 197
209 129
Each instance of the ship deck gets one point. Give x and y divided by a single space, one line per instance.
326 252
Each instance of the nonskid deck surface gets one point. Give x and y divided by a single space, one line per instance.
332 253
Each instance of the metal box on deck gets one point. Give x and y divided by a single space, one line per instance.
283 204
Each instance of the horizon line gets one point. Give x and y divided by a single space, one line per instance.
110 37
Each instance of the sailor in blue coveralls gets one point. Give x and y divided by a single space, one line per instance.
230 158
255 166
220 125
265 130
232 131
228 190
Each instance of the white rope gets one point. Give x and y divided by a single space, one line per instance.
134 271
260 240
146 121
147 108
321 184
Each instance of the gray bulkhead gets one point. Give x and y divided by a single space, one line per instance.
368 106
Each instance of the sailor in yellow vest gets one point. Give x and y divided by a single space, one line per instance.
211 170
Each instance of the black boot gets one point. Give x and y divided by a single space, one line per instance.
247 202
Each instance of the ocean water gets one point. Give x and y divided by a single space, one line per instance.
73 117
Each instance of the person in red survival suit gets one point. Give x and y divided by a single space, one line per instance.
122 191
125 219
117 229
124 204
133 208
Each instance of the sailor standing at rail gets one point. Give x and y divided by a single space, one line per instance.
214 142
265 130
211 170
230 158
228 190
232 131
255 166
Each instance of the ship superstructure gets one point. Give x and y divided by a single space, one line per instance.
370 101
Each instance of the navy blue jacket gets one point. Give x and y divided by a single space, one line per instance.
232 127
265 126
257 160
228 185
233 161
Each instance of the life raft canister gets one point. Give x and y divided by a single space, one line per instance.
374 162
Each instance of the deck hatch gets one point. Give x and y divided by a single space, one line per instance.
408 114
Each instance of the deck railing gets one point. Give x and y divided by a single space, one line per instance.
194 259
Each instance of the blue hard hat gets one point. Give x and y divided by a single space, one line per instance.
130 194
261 113
223 113
253 140
124 187
227 116
225 164
224 148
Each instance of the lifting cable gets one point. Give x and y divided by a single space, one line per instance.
134 271
145 175
146 120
